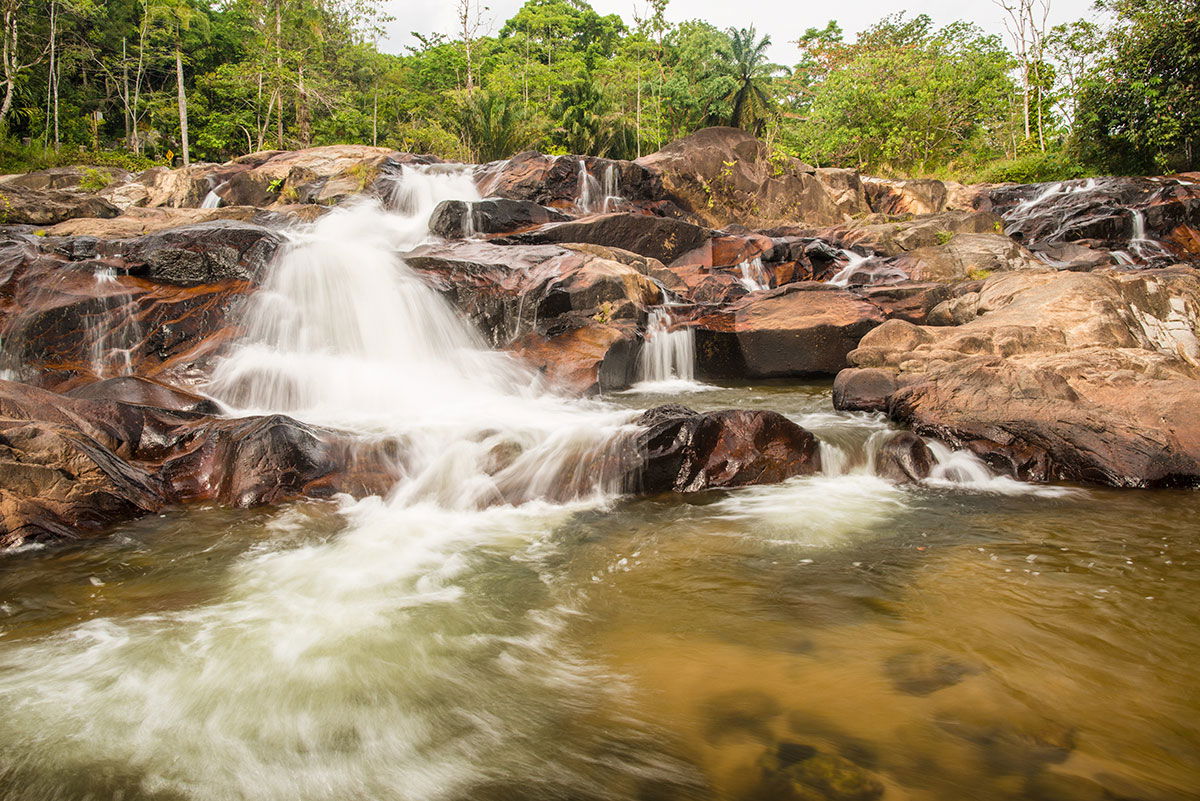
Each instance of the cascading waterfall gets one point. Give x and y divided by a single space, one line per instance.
667 361
114 330
589 191
753 275
853 262
612 189
213 199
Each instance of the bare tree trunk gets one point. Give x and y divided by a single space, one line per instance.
182 97
279 73
303 118
125 91
375 118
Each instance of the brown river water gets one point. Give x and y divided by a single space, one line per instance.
835 637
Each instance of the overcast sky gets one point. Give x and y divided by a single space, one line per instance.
784 21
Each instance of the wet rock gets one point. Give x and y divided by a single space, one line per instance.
455 219
905 458
21 206
801 772
1051 786
583 356
801 330
146 392
741 713
1057 376
656 237
554 180
724 176
205 253
685 451
863 389
896 237
69 466
922 672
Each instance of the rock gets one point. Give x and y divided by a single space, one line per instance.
919 196
906 459
798 330
69 466
457 219
137 222
204 253
863 389
1051 786
584 358
21 206
799 772
511 291
896 237
659 238
921 672
689 452
65 177
146 392
967 257
724 176
555 180
1055 376
908 300
323 175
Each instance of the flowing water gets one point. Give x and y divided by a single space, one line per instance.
507 625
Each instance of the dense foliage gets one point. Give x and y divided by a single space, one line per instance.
157 80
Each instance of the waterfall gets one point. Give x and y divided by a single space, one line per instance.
344 333
612 189
753 275
1143 246
667 361
113 331
853 262
589 191
213 199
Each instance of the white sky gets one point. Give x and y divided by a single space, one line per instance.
784 21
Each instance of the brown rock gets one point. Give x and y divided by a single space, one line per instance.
689 452
21 206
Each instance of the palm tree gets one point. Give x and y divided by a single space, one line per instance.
491 126
747 73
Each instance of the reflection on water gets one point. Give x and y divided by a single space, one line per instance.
837 637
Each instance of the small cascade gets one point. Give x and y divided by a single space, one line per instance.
1144 247
469 228
114 330
590 194
213 199
753 275
853 262
667 361
417 190
612 189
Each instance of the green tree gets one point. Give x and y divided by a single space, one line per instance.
1139 109
748 75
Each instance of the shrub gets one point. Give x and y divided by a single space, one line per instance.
94 180
1034 168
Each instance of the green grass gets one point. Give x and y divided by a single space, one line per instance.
16 157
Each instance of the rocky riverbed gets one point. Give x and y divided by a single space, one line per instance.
1050 330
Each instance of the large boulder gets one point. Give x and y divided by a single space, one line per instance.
458 219
1077 376
920 196
69 466
661 238
724 176
22 206
802 329
966 257
895 237
576 183
686 451
204 253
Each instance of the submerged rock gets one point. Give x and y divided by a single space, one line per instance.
687 451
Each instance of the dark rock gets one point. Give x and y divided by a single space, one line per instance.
689 452
657 237
922 673
904 458
204 253
739 713
455 219
146 392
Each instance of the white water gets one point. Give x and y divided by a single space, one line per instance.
753 275
1141 244
591 197
853 262
612 189
114 331
667 361
396 659
213 200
